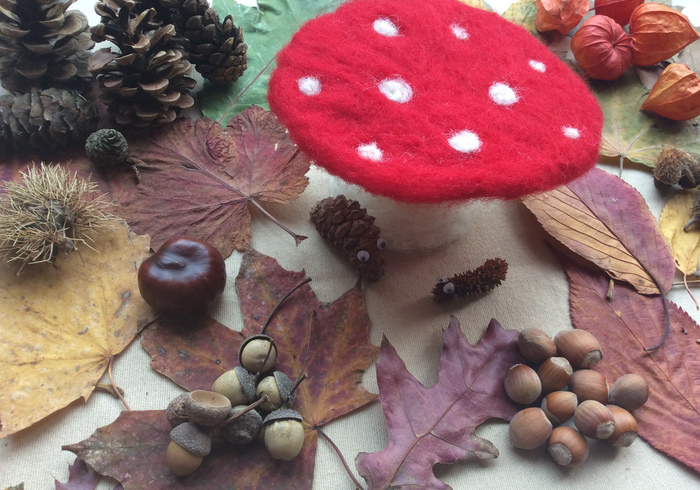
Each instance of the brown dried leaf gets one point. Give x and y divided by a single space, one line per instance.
196 180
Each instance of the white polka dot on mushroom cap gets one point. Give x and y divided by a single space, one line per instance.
465 142
396 89
538 66
502 94
459 31
370 152
570 132
385 27
309 85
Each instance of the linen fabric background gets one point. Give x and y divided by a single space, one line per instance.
535 294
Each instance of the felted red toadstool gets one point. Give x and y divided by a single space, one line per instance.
432 102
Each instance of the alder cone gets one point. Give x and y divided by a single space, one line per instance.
559 15
658 32
602 48
618 10
676 94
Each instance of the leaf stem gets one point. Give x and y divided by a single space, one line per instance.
277 306
340 455
298 381
297 238
685 283
114 386
245 89
668 319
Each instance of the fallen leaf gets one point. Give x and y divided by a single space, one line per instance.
16 487
436 425
80 477
606 221
198 181
670 419
194 351
685 244
635 135
523 13
62 324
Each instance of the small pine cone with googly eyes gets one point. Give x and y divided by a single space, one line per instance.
348 226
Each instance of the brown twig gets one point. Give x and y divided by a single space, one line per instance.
298 381
340 455
114 386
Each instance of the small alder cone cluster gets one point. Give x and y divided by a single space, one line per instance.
248 403
598 412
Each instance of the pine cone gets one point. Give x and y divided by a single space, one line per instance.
45 120
107 148
471 283
216 49
146 82
348 227
42 45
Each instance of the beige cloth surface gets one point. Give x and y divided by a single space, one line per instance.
535 294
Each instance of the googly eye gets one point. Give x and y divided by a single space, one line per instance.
381 244
363 256
441 279
448 288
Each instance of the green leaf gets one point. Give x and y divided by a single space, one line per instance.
523 13
636 135
266 28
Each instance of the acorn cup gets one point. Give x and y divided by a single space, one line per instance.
279 390
207 408
238 385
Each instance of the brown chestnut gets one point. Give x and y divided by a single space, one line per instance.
183 277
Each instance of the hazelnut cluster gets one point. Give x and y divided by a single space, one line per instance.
598 412
234 410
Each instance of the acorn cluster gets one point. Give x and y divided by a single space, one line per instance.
598 412
247 403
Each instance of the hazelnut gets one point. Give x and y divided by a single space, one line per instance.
629 392
589 385
176 413
594 420
189 444
244 429
522 384
278 388
258 354
284 434
535 345
567 447
580 347
238 385
625 427
554 374
207 408
559 406
529 428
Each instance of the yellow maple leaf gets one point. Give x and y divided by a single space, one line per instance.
60 325
685 244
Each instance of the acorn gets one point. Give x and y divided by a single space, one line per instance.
189 444
529 428
554 374
535 345
258 354
630 392
594 420
176 413
559 406
278 388
238 385
244 429
567 447
283 434
580 347
522 384
207 408
589 385
625 431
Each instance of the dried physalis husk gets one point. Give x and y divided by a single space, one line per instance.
602 48
658 33
676 94
618 10
559 15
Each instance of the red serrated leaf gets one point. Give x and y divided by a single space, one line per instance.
436 425
670 419
197 180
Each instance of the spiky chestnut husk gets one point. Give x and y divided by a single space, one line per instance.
49 211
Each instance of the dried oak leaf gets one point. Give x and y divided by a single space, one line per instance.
194 351
670 419
197 180
81 477
606 221
436 425
685 244
61 325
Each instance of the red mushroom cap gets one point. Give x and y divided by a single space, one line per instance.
432 101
